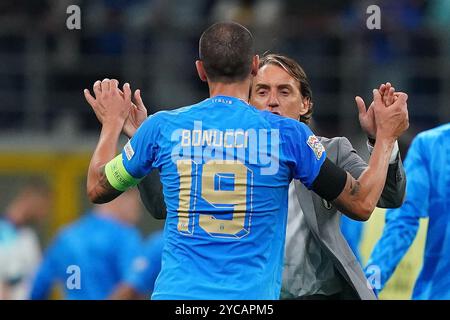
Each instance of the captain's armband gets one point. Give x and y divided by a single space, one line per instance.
118 176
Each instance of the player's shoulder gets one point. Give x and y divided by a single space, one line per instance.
78 226
68 233
338 142
435 133
427 141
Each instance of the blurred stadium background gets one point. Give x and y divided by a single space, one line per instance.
48 130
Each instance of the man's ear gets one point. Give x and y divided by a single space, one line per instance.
255 65
305 105
201 70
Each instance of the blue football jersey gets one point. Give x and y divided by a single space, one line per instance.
427 168
225 169
87 259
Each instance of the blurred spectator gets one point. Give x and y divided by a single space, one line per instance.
146 266
22 14
92 255
20 251
254 13
148 42
263 17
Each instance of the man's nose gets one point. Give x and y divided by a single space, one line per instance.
273 101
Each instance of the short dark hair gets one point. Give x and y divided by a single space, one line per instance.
295 71
226 50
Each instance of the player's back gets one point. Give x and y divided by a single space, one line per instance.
432 147
225 169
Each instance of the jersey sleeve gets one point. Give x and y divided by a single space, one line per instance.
141 151
304 152
137 157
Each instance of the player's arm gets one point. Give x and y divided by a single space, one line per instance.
394 189
358 197
99 188
125 291
130 262
152 196
140 278
150 188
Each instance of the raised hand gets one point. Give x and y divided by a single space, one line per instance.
110 106
366 115
93 101
137 113
387 92
392 121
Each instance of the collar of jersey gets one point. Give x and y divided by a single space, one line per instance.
234 99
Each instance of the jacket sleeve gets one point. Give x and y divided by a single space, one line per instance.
395 186
394 190
152 196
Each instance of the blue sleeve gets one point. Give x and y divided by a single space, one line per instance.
303 150
147 266
47 273
141 151
402 223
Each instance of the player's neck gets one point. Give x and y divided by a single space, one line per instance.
238 90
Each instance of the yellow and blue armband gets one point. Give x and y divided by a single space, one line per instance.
118 176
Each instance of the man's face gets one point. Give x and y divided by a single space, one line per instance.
276 91
32 206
